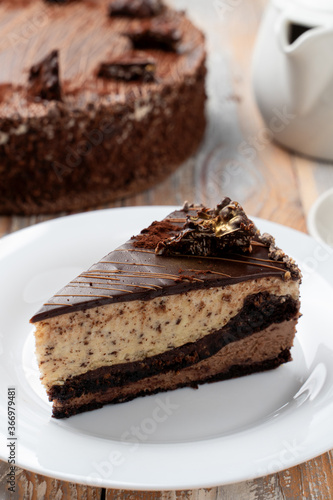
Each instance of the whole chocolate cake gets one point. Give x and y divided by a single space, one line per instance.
98 99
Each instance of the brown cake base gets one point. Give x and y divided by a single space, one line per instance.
206 371
243 346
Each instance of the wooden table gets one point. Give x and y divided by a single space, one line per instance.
274 185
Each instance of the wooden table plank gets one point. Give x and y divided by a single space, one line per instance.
36 487
307 184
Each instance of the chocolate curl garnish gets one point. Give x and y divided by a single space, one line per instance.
44 78
212 232
129 68
135 8
160 34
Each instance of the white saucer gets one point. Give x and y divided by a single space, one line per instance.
320 218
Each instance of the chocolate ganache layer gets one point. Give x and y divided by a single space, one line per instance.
98 99
189 377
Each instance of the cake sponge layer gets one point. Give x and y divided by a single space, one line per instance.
127 332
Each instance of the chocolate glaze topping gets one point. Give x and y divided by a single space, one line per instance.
134 272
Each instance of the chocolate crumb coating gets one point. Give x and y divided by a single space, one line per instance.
135 8
225 228
87 140
278 255
44 78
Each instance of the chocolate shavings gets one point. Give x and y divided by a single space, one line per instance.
44 78
161 34
211 232
129 68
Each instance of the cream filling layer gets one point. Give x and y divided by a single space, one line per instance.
75 343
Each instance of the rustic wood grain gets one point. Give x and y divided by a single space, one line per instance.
30 486
270 182
36 487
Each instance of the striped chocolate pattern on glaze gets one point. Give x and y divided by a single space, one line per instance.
117 276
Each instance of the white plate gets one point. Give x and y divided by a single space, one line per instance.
221 433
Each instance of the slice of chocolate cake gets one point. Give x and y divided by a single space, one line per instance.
198 297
